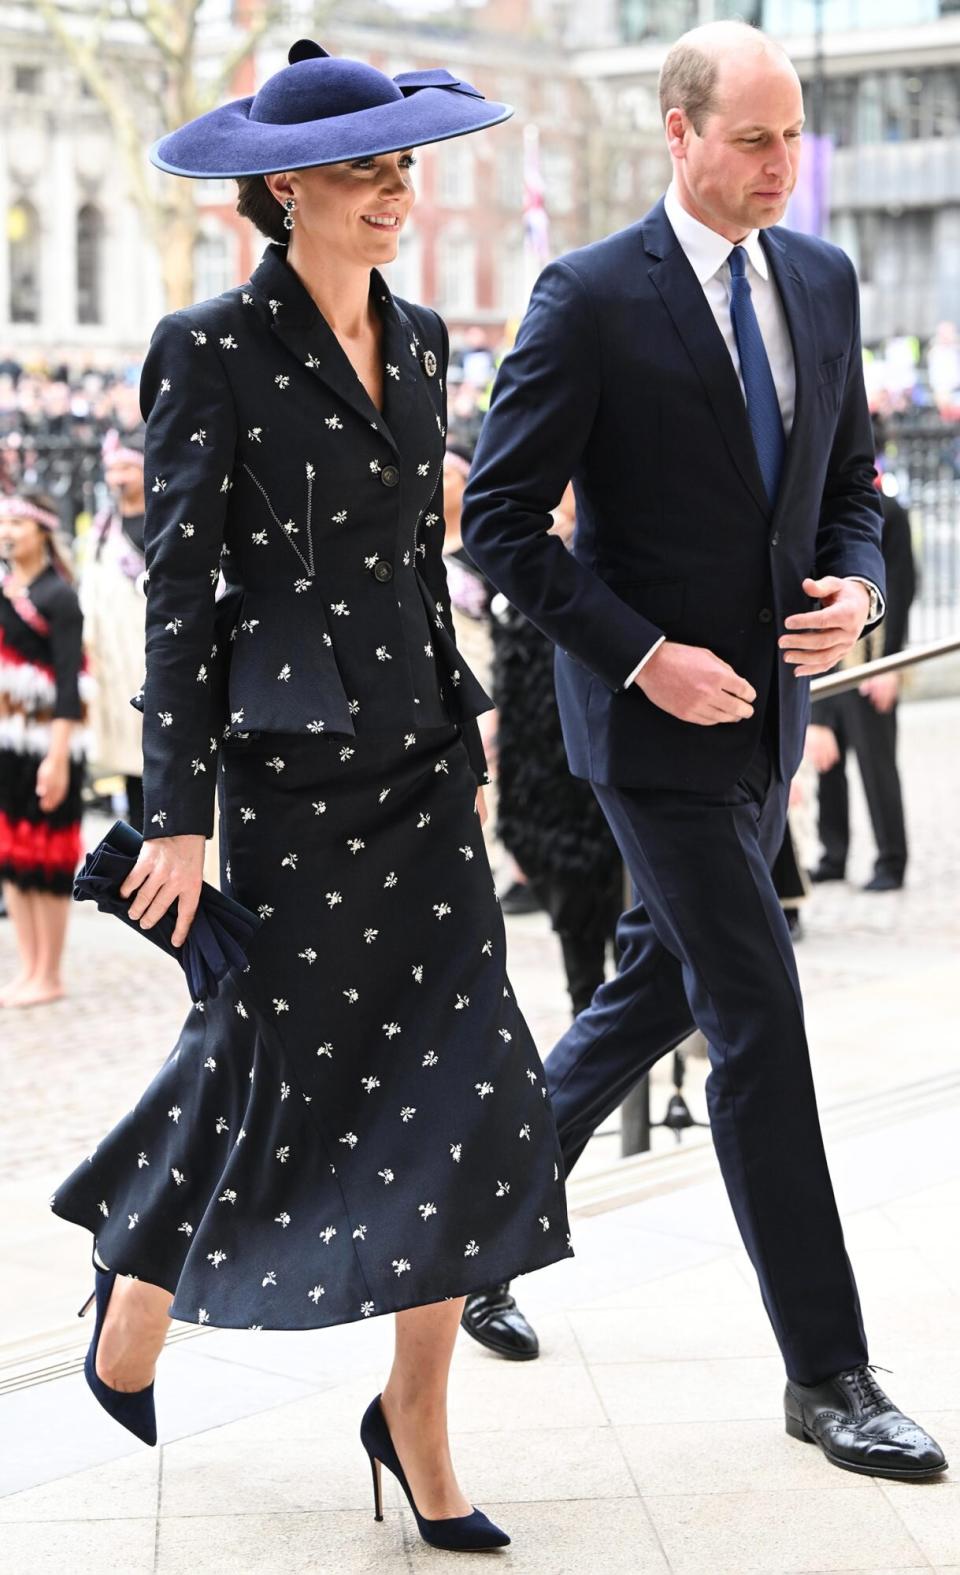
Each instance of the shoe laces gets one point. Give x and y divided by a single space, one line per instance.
870 1396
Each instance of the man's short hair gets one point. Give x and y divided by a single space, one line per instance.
688 81
688 78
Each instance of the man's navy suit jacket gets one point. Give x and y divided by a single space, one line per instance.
620 380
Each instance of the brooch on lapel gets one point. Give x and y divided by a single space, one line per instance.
429 363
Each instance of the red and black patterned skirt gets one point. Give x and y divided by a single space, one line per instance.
39 850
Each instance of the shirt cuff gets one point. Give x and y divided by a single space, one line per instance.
878 606
642 664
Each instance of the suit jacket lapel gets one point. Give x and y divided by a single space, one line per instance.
682 295
301 327
798 310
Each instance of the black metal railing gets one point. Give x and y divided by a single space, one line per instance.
67 467
925 460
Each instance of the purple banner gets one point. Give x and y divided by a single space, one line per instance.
809 207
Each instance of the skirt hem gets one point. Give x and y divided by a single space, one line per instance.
501 1272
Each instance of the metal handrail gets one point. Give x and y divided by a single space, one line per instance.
852 677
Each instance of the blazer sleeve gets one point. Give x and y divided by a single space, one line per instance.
850 526
430 554
542 411
188 463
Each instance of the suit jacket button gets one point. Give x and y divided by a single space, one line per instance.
383 571
765 615
389 475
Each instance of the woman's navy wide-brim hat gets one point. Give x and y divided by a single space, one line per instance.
323 110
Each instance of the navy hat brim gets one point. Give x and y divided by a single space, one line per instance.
225 143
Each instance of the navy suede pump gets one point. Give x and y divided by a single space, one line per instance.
134 1411
462 1534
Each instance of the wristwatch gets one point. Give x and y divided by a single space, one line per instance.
876 605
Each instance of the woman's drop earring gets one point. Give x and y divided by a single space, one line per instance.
289 208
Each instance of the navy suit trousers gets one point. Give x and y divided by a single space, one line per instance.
707 945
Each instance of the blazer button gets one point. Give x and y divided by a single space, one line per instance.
389 475
383 571
765 615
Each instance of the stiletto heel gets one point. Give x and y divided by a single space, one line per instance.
134 1411
377 1488
459 1534
87 1304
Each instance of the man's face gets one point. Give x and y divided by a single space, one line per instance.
739 171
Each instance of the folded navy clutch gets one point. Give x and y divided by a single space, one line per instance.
221 928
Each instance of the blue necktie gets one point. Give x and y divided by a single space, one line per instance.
763 406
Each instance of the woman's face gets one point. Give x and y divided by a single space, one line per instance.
354 211
124 478
21 541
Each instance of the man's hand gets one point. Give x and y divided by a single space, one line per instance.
881 691
821 748
819 640
169 869
693 685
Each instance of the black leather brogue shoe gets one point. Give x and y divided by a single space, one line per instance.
859 1428
495 1320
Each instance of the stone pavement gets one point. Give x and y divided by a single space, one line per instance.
648 1437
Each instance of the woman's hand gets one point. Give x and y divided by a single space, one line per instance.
53 780
169 869
481 806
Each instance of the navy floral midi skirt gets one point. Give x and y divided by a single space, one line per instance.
359 1121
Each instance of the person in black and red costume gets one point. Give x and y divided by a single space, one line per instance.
42 709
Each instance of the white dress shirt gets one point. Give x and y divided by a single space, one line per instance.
708 255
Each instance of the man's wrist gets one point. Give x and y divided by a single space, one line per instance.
643 661
875 606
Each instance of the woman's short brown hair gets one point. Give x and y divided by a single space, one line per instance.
256 202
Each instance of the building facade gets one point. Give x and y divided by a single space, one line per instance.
887 77
80 276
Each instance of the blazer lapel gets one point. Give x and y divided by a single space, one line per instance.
682 295
408 408
798 310
301 327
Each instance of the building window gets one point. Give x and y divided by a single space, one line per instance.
510 176
23 242
27 79
558 181
217 193
456 273
512 277
214 261
457 187
621 179
656 19
555 98
89 264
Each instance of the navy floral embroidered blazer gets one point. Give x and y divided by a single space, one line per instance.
267 460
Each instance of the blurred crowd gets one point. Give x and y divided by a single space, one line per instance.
908 378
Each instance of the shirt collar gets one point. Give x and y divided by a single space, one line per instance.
705 250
